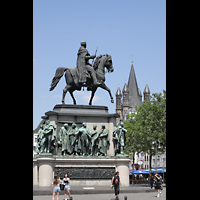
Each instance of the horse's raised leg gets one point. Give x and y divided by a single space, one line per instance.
103 86
92 95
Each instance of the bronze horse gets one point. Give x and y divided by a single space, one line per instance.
71 77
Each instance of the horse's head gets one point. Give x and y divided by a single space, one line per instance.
108 63
103 61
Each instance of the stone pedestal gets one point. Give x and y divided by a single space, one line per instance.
46 167
83 171
122 165
35 172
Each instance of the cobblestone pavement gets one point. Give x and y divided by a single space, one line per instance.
130 196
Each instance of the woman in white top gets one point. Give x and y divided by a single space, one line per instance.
55 187
66 182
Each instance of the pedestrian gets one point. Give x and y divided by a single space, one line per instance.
55 187
66 181
115 182
151 181
158 182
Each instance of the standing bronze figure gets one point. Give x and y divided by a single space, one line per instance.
104 140
48 142
84 75
119 139
85 139
64 139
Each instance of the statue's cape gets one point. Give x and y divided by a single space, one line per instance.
81 63
82 50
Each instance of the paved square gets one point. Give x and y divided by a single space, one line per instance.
130 196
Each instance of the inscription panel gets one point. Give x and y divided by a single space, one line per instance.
86 172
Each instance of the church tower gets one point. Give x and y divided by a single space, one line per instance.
135 96
119 102
125 99
146 93
130 96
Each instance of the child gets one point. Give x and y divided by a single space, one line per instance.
66 181
55 187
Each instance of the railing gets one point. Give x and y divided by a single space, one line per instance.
140 181
143 181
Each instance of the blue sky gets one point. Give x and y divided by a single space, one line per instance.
119 28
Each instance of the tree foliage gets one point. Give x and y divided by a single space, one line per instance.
147 124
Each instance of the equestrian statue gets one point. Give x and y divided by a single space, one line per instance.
85 74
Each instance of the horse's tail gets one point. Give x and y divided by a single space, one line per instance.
58 75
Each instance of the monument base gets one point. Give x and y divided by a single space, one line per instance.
83 171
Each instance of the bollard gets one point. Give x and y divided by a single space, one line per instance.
125 198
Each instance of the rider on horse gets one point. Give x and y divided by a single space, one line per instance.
83 65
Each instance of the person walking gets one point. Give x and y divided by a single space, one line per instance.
55 187
158 184
66 181
151 181
115 182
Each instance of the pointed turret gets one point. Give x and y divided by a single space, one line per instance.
118 93
125 99
134 94
146 93
125 89
119 102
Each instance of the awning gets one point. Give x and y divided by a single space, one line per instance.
138 172
146 171
159 170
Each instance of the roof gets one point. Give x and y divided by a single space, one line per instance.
118 93
134 92
125 89
146 90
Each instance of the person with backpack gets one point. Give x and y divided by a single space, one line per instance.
158 182
115 182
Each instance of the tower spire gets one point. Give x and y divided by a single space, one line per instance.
125 99
134 94
119 102
146 93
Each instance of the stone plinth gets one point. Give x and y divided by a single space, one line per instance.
83 171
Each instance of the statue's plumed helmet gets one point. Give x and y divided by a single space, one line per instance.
83 43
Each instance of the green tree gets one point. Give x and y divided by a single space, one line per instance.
147 124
